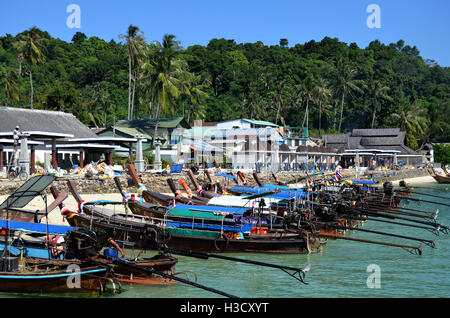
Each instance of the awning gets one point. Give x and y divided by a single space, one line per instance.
27 192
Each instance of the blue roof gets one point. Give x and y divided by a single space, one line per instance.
225 175
210 208
282 194
200 145
365 181
36 227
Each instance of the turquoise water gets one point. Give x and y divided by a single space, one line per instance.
340 270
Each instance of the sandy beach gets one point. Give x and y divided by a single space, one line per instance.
416 181
55 216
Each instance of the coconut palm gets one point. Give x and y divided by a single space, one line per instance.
30 44
346 83
377 90
278 95
8 81
163 70
133 40
20 60
413 120
308 86
321 94
192 87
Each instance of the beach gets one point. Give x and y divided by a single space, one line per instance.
56 218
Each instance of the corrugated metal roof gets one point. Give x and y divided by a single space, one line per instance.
200 145
147 123
260 122
43 121
240 133
376 132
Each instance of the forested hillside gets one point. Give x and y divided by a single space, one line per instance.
329 85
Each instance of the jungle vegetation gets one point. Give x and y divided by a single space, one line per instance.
328 86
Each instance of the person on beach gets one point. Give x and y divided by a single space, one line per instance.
16 136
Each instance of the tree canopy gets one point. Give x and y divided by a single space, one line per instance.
329 84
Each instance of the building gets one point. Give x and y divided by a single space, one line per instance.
54 138
427 151
170 132
245 124
373 147
248 148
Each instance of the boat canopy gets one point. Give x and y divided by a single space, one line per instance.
35 227
209 208
365 181
27 191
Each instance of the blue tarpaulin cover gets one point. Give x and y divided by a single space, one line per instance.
209 208
36 227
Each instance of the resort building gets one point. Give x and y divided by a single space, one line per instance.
169 133
54 139
372 148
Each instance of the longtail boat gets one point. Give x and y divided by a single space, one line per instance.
142 230
36 275
438 177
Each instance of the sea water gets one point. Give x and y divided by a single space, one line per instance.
343 269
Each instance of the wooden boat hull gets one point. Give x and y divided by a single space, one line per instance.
91 279
18 215
158 263
166 200
442 179
200 244
210 245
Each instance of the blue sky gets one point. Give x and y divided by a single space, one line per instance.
425 24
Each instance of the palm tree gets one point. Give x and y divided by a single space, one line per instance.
321 94
346 83
20 60
377 90
193 90
163 71
30 44
9 84
279 100
413 120
308 91
133 41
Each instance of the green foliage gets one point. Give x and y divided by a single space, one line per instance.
442 153
328 85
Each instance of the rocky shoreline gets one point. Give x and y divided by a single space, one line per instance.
158 183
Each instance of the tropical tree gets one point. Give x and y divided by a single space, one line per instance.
346 83
163 71
413 120
376 91
308 87
321 94
8 81
193 89
133 40
30 44
20 60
